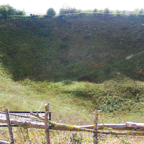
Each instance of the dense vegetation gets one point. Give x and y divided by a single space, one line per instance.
80 47
81 61
51 12
90 47
69 10
9 10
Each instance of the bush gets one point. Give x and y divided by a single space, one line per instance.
99 14
47 16
68 10
123 12
61 16
7 9
101 11
20 13
141 11
51 12
82 14
43 32
135 11
117 13
95 10
106 11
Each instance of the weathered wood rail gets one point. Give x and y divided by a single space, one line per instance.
45 123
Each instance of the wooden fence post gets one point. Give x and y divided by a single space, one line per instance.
47 123
96 126
9 126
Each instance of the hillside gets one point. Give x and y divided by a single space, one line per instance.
75 47
51 55
78 63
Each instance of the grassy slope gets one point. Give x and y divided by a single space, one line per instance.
82 48
42 59
72 47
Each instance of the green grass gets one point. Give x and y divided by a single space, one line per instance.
77 64
70 98
70 47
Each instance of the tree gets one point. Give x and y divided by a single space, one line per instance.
7 9
95 10
106 11
124 12
141 11
4 9
117 12
51 12
68 10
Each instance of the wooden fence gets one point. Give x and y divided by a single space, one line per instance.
44 122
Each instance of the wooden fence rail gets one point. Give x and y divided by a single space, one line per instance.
45 123
4 142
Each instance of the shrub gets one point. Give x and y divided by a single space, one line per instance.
141 11
51 12
117 13
87 11
100 11
43 32
7 9
106 11
123 12
95 10
47 16
99 14
61 16
82 14
68 10
67 82
20 13
135 11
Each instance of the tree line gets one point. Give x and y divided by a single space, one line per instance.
69 10
9 10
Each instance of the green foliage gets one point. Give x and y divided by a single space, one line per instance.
67 82
82 14
20 13
24 48
47 16
26 55
95 10
61 16
51 12
101 11
77 139
4 10
43 32
69 41
106 11
117 12
123 12
67 10
138 11
7 9
87 11
141 11
99 14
